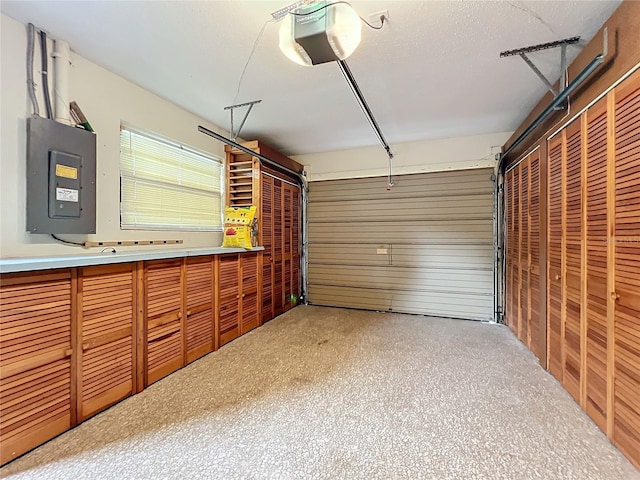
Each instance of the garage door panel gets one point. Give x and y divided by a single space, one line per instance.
434 256
476 207
470 232
415 279
471 182
425 247
405 302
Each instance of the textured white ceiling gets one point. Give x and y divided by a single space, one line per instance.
432 72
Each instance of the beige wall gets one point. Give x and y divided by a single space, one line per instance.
107 100
414 157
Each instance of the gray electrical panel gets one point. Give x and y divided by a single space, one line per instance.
61 178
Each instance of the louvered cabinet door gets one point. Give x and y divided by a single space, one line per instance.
249 296
523 332
266 240
278 248
511 249
626 422
596 264
516 257
199 323
106 300
554 259
229 295
287 266
163 315
573 260
295 246
534 254
35 359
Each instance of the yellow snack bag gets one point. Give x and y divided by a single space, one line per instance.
237 226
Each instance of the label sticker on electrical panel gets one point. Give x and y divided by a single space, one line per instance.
66 194
66 172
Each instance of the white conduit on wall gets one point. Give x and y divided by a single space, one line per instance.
61 64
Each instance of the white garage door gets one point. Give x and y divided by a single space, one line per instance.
424 247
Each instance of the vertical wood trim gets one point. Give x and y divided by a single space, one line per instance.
519 266
543 339
239 263
583 264
256 183
76 348
141 330
563 266
216 296
611 258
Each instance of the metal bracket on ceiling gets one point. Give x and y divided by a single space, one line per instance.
232 131
522 53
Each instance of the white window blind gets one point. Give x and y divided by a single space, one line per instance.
167 186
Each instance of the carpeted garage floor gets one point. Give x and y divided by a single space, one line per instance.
334 393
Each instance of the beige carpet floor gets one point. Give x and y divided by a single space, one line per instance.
323 393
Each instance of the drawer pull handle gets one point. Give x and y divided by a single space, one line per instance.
615 296
557 277
179 314
188 312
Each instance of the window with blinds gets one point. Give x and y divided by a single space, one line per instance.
167 186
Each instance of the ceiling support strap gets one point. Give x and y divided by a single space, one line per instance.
235 134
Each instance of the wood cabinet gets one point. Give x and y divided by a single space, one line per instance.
200 304
277 196
163 318
37 322
592 230
239 297
523 251
106 332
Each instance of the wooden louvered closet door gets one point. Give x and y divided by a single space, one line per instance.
524 319
555 240
295 245
511 247
249 305
626 242
534 255
287 255
35 359
107 311
228 294
199 324
278 247
596 263
163 315
266 240
573 259
516 258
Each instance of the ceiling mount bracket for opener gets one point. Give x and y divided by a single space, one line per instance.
522 53
236 134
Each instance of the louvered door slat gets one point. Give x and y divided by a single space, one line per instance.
523 332
200 307
573 259
163 318
554 252
626 422
295 246
229 294
107 308
534 254
596 230
35 372
266 232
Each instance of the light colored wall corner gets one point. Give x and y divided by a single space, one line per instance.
414 157
107 100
